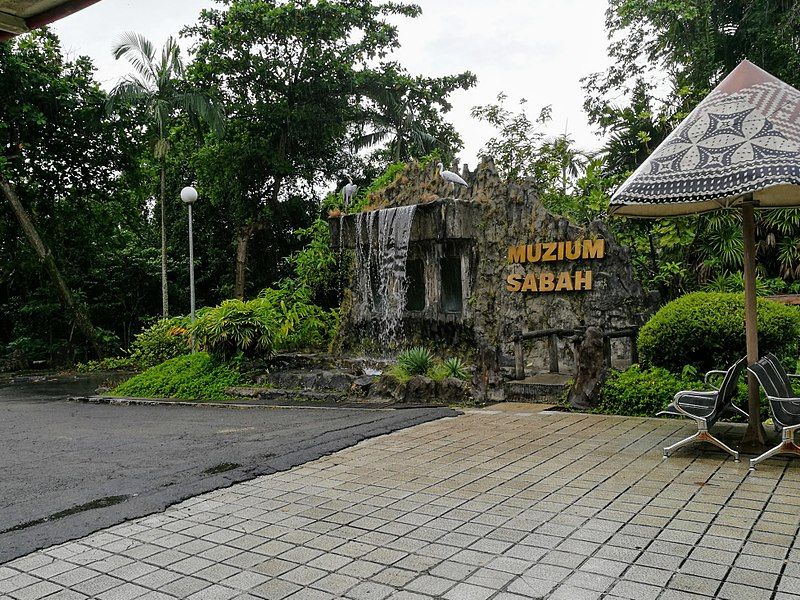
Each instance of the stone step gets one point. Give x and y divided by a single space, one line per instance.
311 379
543 387
282 396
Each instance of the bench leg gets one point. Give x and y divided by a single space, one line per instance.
787 446
701 436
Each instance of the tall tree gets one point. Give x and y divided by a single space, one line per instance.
666 56
57 150
406 112
156 86
289 75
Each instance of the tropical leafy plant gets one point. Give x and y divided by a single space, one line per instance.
641 392
251 328
280 318
165 339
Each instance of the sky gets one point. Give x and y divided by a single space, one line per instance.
533 49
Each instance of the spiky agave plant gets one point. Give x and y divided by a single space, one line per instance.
456 368
416 361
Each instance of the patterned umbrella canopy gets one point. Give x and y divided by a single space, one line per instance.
743 139
740 148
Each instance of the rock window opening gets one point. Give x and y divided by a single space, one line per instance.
415 277
452 295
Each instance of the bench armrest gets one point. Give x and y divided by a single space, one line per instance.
778 399
710 374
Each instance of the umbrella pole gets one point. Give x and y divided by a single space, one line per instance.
754 438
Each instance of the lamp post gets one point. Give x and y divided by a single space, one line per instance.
189 196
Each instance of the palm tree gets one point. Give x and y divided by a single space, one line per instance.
394 117
571 162
155 87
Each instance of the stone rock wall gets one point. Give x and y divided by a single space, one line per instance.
488 217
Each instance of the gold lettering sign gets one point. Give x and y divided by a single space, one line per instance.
547 281
553 251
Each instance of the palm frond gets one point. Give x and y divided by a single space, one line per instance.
139 52
202 108
129 90
370 139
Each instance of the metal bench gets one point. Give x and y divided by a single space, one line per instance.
784 405
706 408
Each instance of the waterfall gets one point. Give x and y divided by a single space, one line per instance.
382 240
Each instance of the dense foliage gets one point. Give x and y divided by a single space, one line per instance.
308 102
198 377
706 330
165 339
643 392
279 319
419 361
302 97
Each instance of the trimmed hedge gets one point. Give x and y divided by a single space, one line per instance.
706 330
196 377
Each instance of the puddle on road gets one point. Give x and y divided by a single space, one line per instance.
99 503
221 468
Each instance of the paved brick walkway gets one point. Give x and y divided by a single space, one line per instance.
492 504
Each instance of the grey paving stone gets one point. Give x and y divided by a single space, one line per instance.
245 580
335 583
566 592
531 587
635 590
394 577
126 591
184 586
66 594
466 591
611 568
303 575
275 589
214 592
38 590
369 590
694 584
96 585
737 591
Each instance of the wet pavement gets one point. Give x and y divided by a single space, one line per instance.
507 503
68 469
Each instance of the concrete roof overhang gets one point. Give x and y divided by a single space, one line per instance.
20 16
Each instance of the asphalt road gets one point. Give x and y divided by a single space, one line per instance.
68 469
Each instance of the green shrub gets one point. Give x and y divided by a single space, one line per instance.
706 330
235 327
416 361
361 201
167 338
282 318
197 377
399 373
643 392
455 367
113 363
304 325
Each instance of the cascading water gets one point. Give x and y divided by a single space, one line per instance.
382 240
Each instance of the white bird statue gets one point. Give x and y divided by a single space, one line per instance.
451 177
349 191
